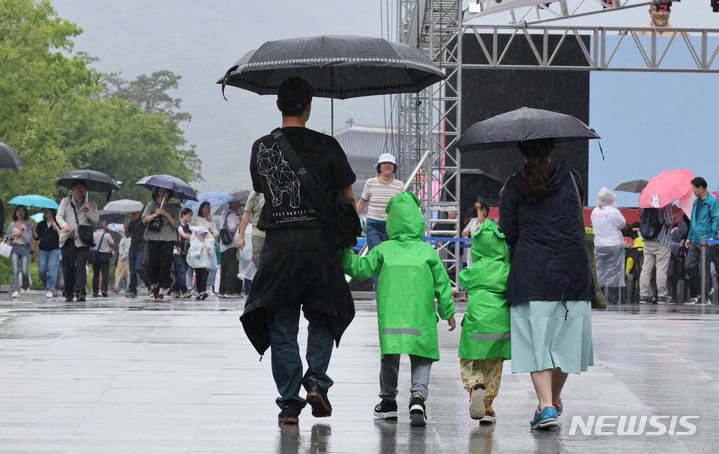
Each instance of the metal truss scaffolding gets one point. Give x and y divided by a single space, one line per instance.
429 121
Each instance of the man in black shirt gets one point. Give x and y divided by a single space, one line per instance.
299 265
137 253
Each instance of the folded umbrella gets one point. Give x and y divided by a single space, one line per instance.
37 201
124 205
523 124
179 188
94 180
665 188
9 159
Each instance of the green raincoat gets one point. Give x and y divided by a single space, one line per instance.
486 326
411 276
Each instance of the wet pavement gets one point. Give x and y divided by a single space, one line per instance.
127 375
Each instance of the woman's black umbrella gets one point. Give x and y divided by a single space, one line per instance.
179 188
9 159
523 124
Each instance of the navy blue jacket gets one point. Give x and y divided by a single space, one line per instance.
549 255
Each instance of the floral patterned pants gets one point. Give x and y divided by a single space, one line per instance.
485 371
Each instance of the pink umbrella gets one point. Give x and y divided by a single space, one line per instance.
665 188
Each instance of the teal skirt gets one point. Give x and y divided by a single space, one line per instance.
542 338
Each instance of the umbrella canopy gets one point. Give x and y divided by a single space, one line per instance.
339 67
9 159
116 227
34 201
179 188
665 188
216 198
632 186
239 196
523 124
38 217
124 205
94 180
112 217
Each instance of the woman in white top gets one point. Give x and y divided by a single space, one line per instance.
607 222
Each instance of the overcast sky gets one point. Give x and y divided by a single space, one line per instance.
649 122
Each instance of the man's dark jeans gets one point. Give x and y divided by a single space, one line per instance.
283 324
74 260
693 266
180 284
135 262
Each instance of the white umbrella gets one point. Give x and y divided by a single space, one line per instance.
124 205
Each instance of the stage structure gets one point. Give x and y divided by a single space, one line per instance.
430 122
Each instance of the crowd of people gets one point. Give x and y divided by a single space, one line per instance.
155 245
663 249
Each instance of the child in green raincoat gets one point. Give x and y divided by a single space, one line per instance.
485 340
411 276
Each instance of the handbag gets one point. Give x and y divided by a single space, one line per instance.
339 215
5 249
599 302
225 235
84 232
92 258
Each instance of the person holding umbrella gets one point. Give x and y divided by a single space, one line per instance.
161 222
20 235
47 236
550 285
77 213
300 267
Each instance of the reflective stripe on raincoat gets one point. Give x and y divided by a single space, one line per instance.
486 324
411 277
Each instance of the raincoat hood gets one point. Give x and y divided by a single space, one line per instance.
404 219
489 243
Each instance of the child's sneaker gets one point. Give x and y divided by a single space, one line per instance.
417 413
387 410
489 416
545 419
476 401
559 407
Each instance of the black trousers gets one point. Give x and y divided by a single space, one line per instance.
73 268
101 267
159 262
201 279
228 271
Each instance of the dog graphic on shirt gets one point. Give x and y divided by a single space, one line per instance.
280 177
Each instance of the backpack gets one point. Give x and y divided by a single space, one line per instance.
650 224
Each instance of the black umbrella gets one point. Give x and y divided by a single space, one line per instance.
339 67
94 180
179 188
9 159
523 124
632 186
112 217
336 66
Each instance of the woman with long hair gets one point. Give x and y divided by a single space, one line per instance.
550 284
20 235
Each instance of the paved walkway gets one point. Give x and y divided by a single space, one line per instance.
122 375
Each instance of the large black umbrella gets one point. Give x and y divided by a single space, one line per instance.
179 188
94 180
523 124
336 66
632 186
9 159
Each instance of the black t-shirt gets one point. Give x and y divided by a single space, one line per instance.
272 175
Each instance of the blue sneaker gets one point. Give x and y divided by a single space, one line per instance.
559 407
544 420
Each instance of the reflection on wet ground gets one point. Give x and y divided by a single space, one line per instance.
129 375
